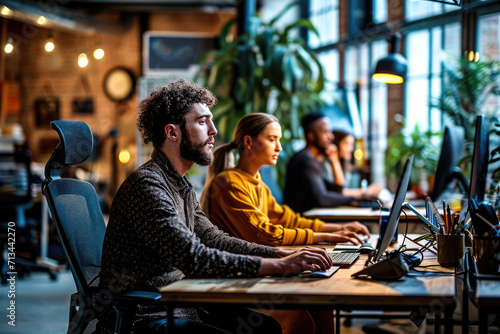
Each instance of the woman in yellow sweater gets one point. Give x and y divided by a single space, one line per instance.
236 199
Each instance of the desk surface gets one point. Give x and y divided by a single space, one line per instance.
338 290
352 213
488 293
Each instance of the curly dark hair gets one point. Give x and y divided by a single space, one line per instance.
169 105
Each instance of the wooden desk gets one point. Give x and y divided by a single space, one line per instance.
352 213
433 292
488 300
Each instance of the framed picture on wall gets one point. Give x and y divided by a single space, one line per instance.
165 53
46 111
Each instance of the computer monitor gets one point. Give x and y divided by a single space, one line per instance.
452 150
395 212
480 159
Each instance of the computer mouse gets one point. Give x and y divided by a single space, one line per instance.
366 248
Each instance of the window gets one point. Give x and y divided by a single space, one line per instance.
380 12
415 10
324 14
489 46
489 36
359 64
426 51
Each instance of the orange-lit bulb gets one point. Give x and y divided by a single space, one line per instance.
83 60
9 48
124 156
387 78
98 53
49 46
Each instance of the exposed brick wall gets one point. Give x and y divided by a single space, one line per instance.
395 93
33 68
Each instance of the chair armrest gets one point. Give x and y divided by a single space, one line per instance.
125 304
137 297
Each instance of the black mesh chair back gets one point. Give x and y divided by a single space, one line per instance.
76 212
75 209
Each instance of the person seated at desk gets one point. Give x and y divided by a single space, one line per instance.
237 201
157 233
343 143
306 186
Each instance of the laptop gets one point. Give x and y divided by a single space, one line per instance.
388 230
346 258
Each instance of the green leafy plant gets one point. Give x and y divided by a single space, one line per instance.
266 70
402 145
468 87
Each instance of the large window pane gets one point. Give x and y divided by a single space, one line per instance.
453 39
417 82
489 46
380 12
489 36
418 9
330 62
324 14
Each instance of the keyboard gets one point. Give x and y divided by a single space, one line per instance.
343 259
368 204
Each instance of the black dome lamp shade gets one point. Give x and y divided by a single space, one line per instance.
392 68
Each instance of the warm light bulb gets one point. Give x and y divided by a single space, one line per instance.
124 156
471 55
41 20
6 11
82 60
49 46
358 154
388 78
9 47
98 53
476 57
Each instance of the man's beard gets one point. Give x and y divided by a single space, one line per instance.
194 152
321 149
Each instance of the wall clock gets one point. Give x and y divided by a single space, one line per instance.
119 84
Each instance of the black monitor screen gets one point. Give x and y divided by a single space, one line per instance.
447 171
395 212
480 158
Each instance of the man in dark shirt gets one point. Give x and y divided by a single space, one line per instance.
157 233
305 185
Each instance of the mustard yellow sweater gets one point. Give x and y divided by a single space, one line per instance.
243 206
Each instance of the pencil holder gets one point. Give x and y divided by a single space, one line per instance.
451 249
487 254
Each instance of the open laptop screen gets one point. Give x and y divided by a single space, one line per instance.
395 212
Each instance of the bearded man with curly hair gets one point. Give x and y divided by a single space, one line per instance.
157 233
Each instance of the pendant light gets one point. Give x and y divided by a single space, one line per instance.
392 68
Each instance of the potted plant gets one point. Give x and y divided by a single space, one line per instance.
422 145
266 70
469 85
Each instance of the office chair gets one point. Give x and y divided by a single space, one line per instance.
15 198
76 212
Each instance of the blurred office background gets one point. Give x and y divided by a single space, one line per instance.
94 60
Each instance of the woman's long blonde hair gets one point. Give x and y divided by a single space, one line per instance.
249 125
